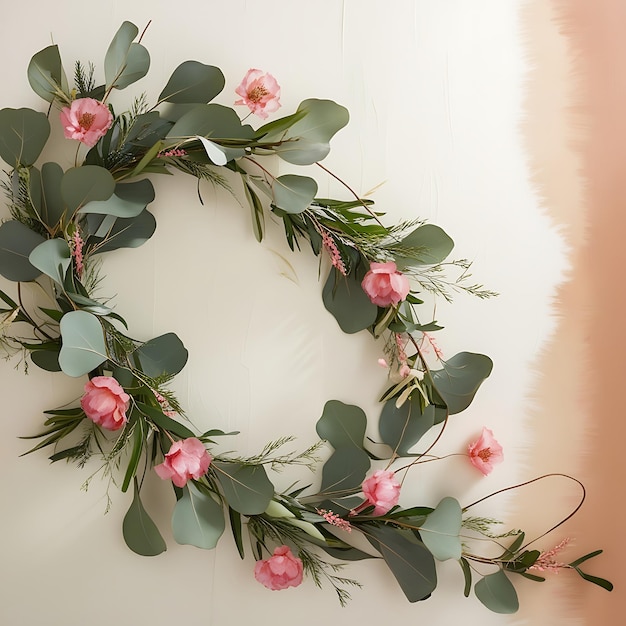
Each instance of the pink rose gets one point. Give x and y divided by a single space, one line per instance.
187 458
485 452
382 490
105 402
259 92
280 571
86 120
384 285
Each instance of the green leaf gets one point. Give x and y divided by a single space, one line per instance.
140 532
460 378
293 193
596 580
197 519
125 233
247 488
88 183
401 428
497 593
193 82
128 200
83 343
17 241
163 355
164 421
213 121
46 360
345 299
53 258
23 135
342 425
139 439
440 532
467 574
216 154
431 243
45 192
125 62
586 557
344 471
256 208
46 75
323 118
408 559
235 526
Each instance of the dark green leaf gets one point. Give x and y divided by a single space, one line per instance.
409 560
140 532
247 488
125 233
197 519
84 184
23 134
46 75
46 360
344 471
431 244
235 525
342 425
586 557
467 574
165 354
401 428
164 421
45 192
125 62
497 593
17 241
293 193
193 82
139 439
601 582
256 208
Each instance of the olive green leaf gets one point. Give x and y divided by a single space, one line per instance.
46 75
497 593
17 241
125 62
83 343
140 533
197 519
193 82
23 135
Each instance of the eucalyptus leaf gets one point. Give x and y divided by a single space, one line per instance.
125 62
46 75
45 193
212 121
163 355
197 519
342 425
115 206
17 241
140 533
401 428
345 299
431 245
497 593
247 488
307 140
46 360
344 471
408 559
52 257
293 193
125 233
460 378
216 153
83 346
88 183
440 532
23 135
193 82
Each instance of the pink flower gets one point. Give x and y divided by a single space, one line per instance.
384 285
86 120
382 490
280 571
259 92
485 452
105 402
187 458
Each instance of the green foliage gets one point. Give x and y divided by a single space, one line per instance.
17 241
402 427
140 532
193 82
53 258
497 593
23 135
293 193
426 245
45 194
162 356
440 532
83 343
247 488
46 75
198 520
125 62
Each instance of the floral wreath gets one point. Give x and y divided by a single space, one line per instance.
62 220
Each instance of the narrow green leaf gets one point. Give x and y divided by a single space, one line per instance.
467 574
497 593
601 582
140 532
165 422
139 439
586 557
197 519
235 526
256 208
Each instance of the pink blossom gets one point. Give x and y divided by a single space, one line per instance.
105 402
280 571
485 452
384 285
382 490
187 458
86 120
259 92
335 520
546 562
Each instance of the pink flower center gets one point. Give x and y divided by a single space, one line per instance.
255 95
485 454
86 120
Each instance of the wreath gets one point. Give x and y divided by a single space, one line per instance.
62 221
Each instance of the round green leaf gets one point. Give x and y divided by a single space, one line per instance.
197 519
163 355
125 62
23 135
193 82
247 488
497 593
17 241
83 346
440 531
46 75
140 533
84 184
293 193
342 425
53 258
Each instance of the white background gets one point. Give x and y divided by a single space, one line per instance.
435 93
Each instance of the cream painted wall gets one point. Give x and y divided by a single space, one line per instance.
435 91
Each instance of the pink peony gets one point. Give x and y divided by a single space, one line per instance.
384 285
280 571
259 92
105 402
382 490
187 458
485 452
86 120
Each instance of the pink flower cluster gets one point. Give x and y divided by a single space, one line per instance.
384 285
333 251
259 92
334 520
76 245
86 120
280 571
186 459
485 452
105 402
